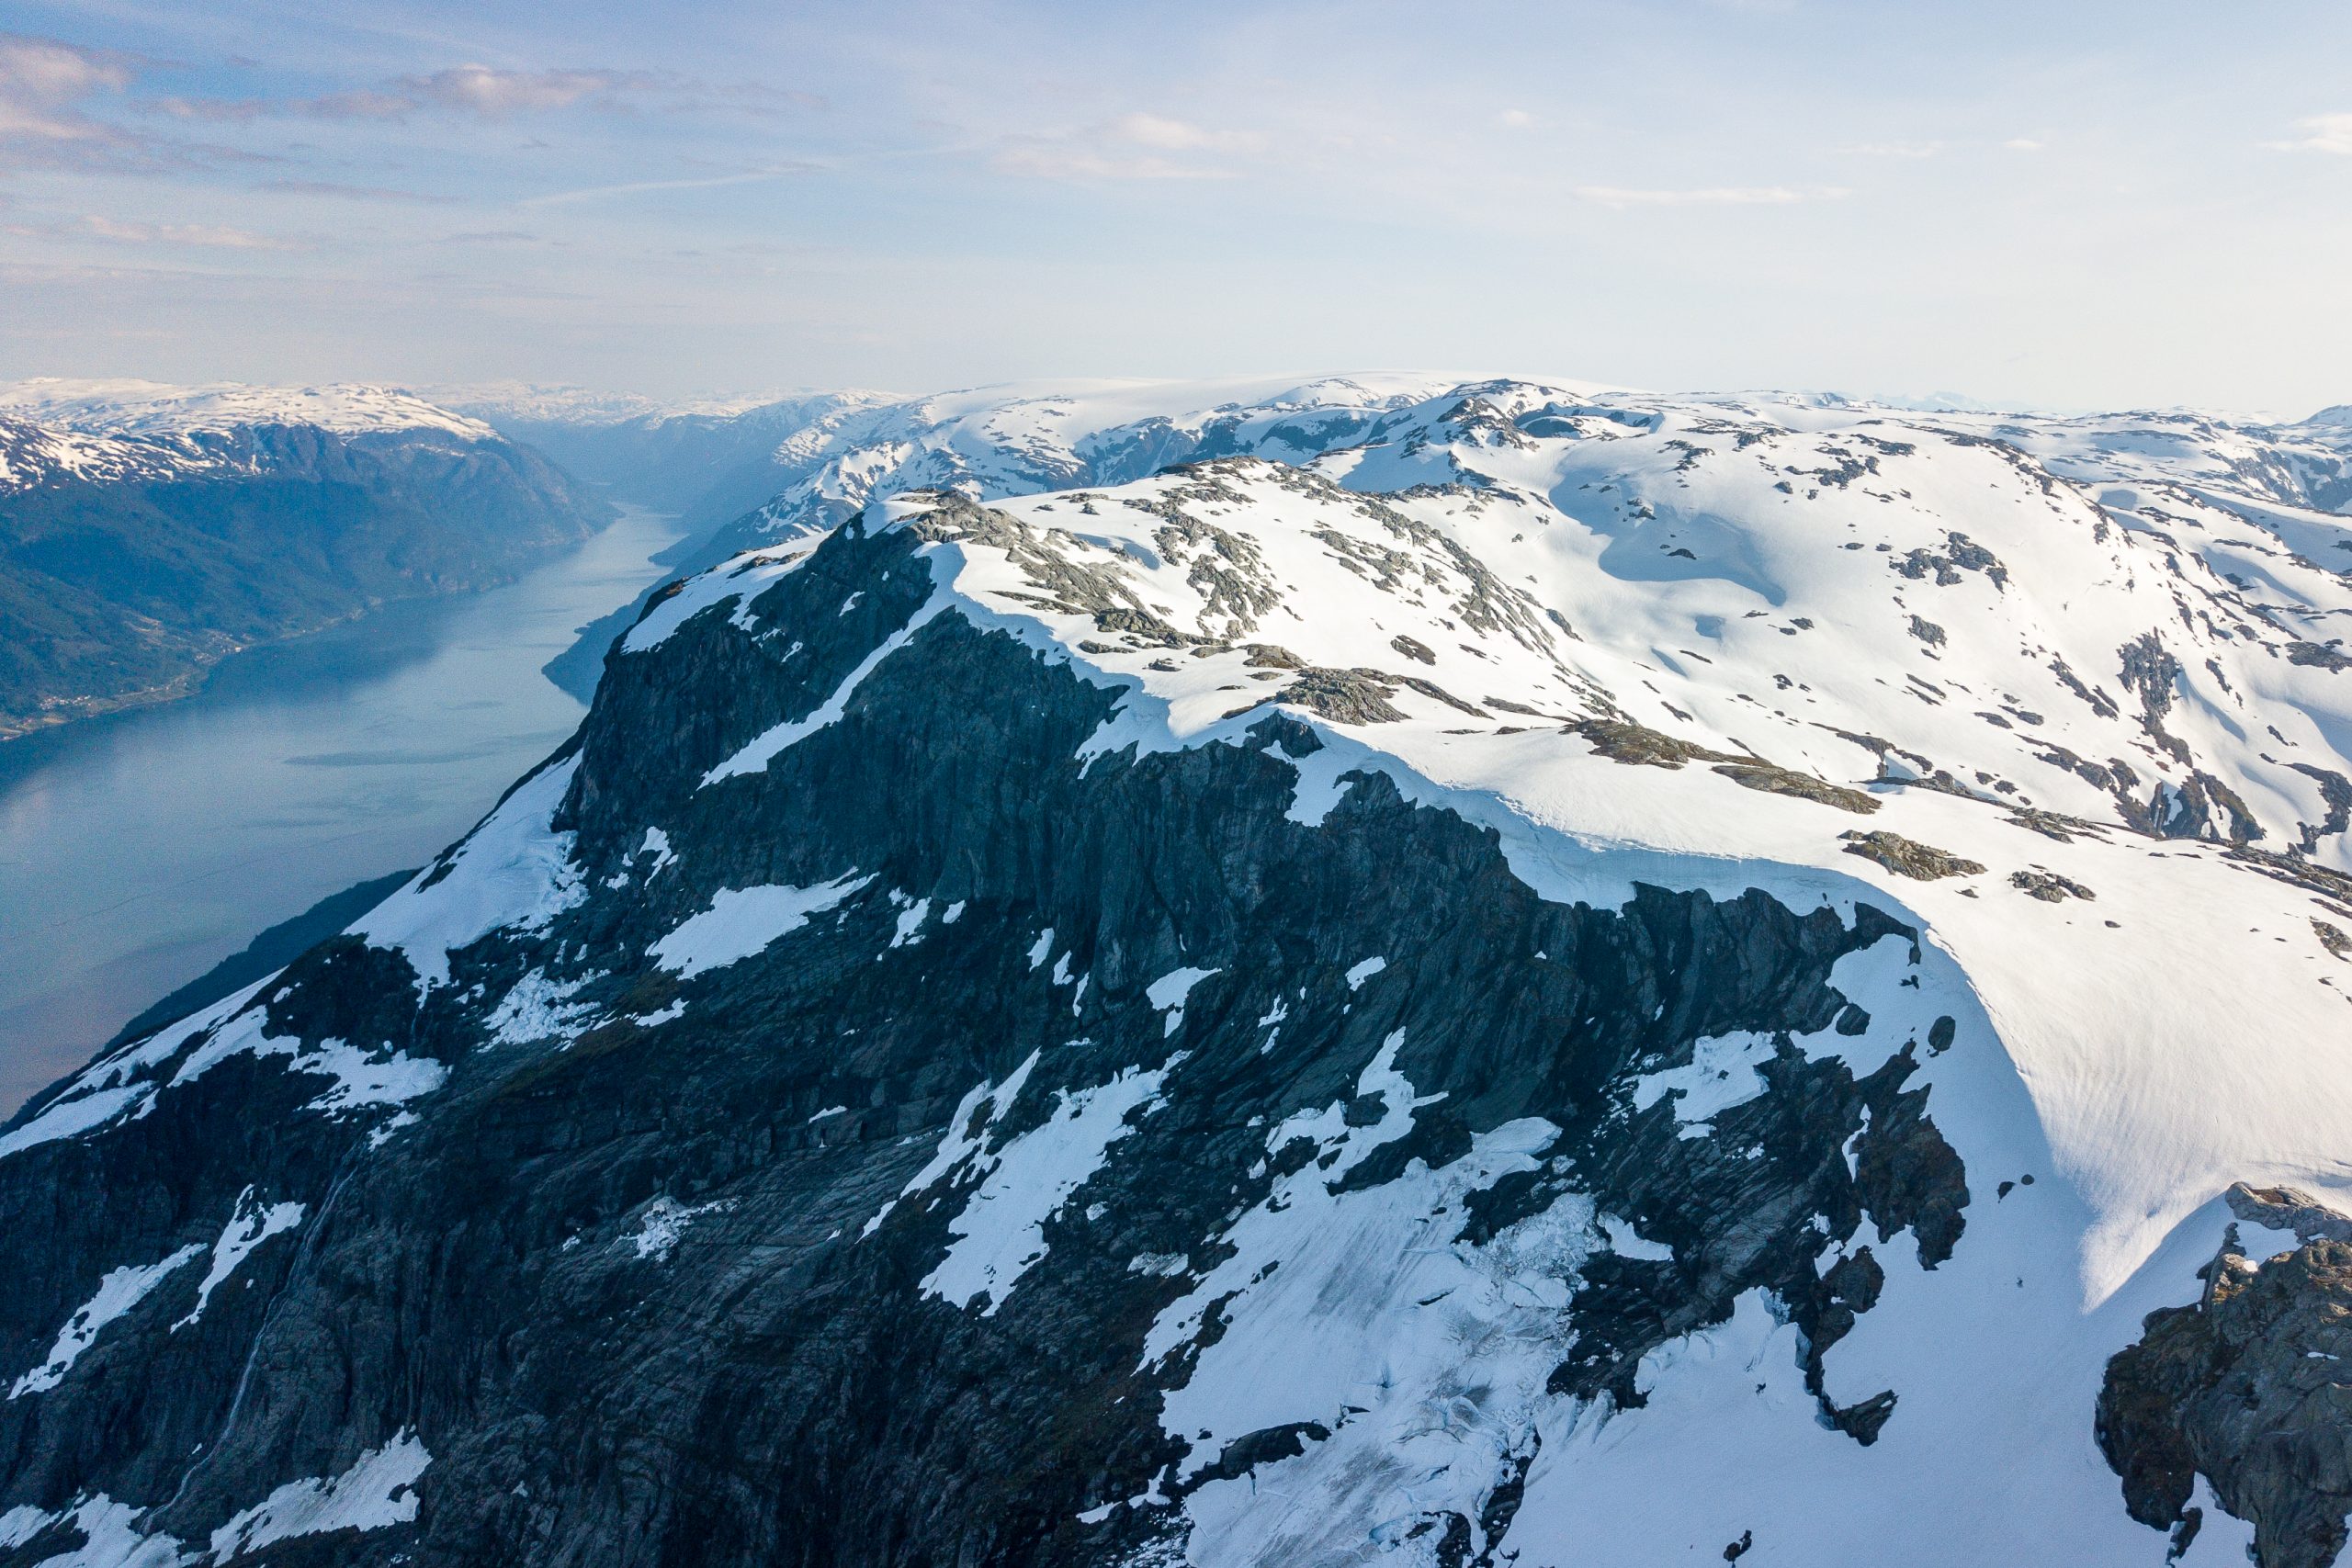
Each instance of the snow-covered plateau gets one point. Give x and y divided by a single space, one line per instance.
1379 970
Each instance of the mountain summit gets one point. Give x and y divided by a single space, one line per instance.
1471 974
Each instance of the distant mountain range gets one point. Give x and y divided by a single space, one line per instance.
706 461
147 532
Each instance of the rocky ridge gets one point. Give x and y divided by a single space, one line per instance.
1278 1012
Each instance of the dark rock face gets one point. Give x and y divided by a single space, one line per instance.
2244 1389
118 592
655 1274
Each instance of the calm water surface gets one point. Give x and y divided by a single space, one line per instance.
138 851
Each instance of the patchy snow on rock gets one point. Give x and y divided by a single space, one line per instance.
121 1290
758 752
1357 973
999 1233
966 1134
1722 1074
1626 1242
112 1088
129 407
75 1113
378 1491
514 871
742 921
110 1532
1413 1363
22 1523
539 1008
1167 993
362 1079
664 1222
910 921
738 582
250 1223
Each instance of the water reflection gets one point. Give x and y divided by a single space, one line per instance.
139 850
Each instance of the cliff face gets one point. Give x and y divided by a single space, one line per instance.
694 1281
1023 1035
133 562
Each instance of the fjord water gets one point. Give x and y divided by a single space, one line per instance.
139 850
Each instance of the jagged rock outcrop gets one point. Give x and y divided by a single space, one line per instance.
2245 1389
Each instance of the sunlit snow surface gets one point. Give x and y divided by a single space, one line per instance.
1966 618
114 430
1938 611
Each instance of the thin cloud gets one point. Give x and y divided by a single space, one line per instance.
1895 149
1167 135
1132 147
42 85
487 92
47 86
633 188
354 192
1719 196
206 236
2322 133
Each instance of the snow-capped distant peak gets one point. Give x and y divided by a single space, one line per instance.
129 407
527 403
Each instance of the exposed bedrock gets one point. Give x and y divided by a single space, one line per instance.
2244 1388
647 1277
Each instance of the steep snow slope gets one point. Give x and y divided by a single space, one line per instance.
1789 651
1652 478
1568 976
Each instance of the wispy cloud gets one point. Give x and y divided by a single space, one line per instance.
2322 133
115 230
1717 195
703 182
43 84
1132 147
46 90
2022 144
353 193
487 92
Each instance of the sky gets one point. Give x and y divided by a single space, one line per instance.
2076 205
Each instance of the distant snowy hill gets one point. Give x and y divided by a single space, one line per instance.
148 531
1386 969
154 409
705 460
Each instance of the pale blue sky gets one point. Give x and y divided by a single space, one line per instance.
2059 204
